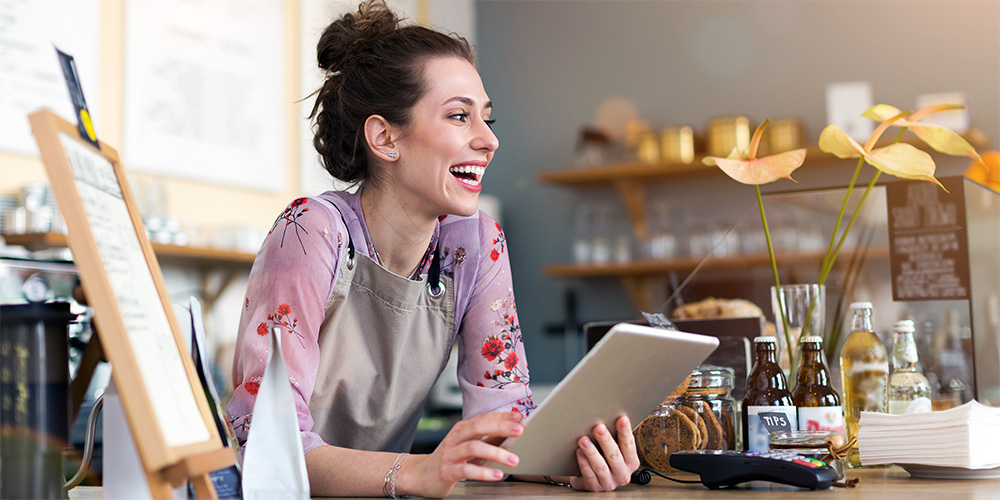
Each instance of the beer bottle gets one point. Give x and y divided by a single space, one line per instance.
816 401
767 404
909 390
864 373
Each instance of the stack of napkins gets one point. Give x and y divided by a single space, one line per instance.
966 437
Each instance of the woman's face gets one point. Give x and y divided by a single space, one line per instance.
448 144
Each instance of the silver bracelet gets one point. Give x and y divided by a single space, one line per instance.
389 486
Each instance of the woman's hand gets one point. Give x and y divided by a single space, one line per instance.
608 464
461 455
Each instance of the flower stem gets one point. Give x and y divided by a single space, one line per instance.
850 224
777 281
828 258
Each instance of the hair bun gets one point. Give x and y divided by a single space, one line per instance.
351 36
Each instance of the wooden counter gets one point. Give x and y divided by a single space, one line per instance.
880 484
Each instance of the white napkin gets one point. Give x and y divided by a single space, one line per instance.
274 466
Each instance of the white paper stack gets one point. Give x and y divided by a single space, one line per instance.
965 437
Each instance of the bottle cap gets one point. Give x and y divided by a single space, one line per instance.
904 326
811 338
765 338
861 305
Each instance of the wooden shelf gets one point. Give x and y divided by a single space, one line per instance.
229 263
605 175
631 179
192 256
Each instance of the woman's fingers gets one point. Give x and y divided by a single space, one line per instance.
587 480
492 425
477 452
626 444
606 464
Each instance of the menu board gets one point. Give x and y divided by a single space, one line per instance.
139 303
928 240
162 398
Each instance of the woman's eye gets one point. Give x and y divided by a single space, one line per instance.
462 117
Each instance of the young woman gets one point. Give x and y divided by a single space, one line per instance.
370 290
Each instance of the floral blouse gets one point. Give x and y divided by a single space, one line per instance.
294 274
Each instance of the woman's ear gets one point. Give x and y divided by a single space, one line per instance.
378 135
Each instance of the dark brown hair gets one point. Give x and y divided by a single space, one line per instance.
373 66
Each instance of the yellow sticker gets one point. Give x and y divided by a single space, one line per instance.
85 119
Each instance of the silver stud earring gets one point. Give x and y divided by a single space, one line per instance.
391 154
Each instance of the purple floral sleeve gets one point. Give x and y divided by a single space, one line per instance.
289 284
493 371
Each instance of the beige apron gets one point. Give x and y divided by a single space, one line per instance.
383 343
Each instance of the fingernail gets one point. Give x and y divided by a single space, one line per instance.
512 459
497 474
584 442
516 428
601 430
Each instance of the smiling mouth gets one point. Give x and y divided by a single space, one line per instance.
468 174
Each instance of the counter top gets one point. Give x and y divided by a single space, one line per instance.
879 483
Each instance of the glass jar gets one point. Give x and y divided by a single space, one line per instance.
812 444
699 415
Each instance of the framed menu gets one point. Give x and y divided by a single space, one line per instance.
170 420
928 240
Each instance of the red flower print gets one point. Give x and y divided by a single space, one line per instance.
480 384
252 387
283 309
498 226
262 329
441 217
494 254
511 361
492 347
486 375
298 201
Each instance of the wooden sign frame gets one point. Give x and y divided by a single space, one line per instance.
162 398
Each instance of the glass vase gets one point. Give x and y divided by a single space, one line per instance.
799 311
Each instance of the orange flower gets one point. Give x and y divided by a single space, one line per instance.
939 138
745 167
901 160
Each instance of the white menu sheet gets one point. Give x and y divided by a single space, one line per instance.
146 324
205 91
30 75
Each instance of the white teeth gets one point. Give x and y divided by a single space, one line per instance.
469 181
468 169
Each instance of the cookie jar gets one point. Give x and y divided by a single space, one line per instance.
699 415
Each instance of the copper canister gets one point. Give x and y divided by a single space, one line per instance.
726 133
784 134
677 144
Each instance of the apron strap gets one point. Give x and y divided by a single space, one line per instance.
347 229
435 287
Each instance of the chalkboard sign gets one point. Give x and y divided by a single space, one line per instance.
166 408
928 240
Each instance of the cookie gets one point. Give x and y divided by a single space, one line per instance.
659 435
691 414
716 438
727 424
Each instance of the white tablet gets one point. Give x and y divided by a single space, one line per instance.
629 372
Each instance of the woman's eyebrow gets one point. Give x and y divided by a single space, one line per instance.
469 102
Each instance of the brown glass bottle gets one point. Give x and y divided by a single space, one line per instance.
817 403
767 393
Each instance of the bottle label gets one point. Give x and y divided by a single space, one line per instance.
874 366
905 351
918 405
822 418
763 420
